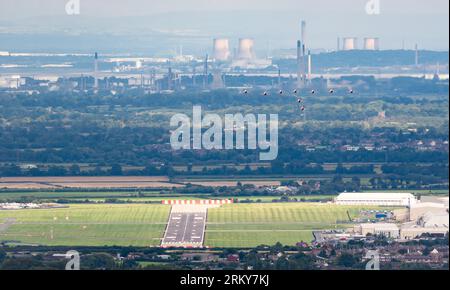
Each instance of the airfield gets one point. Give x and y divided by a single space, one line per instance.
97 213
144 225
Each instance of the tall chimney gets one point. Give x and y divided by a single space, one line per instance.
169 77
299 64
416 48
96 71
205 73
301 55
303 32
279 79
309 67
194 72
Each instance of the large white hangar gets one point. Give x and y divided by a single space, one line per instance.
376 198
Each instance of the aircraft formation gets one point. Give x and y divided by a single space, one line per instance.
300 100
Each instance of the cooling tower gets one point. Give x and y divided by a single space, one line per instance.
245 50
350 43
221 49
371 43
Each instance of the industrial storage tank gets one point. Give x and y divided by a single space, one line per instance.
371 43
246 49
221 49
350 43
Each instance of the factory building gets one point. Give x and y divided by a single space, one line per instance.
380 229
430 223
12 82
376 199
419 209
430 220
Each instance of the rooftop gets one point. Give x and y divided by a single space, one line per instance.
380 226
375 195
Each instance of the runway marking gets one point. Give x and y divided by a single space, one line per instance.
186 226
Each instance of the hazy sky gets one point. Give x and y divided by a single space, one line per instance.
26 8
410 21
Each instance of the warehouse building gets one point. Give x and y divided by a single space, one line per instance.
429 223
420 209
380 229
376 199
431 220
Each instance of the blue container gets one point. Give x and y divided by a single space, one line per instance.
381 216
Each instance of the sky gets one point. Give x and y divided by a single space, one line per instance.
26 8
272 23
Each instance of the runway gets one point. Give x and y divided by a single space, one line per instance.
185 229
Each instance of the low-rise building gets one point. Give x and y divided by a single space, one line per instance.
388 230
432 220
376 199
420 209
430 223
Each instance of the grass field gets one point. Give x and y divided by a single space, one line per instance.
270 198
235 225
249 225
155 196
148 196
97 182
88 225
159 198
67 194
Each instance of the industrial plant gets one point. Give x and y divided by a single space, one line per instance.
302 67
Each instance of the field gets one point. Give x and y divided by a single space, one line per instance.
270 198
88 225
248 225
69 194
234 183
236 225
86 179
153 196
134 196
86 182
